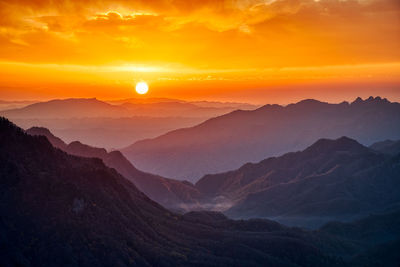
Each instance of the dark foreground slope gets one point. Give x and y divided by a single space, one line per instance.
227 142
332 179
62 210
376 237
170 193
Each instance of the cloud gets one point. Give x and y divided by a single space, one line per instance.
202 33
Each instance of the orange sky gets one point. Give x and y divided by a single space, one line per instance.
249 50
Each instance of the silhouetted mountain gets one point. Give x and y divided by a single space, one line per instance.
4 105
67 108
205 104
54 140
109 133
63 210
387 147
330 180
168 192
144 100
226 142
115 125
174 109
91 107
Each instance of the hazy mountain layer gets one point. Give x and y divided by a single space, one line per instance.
227 142
330 180
110 133
117 123
93 108
6 105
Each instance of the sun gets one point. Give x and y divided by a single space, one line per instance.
142 88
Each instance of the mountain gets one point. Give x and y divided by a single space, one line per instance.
330 180
376 238
175 109
233 105
227 142
91 107
168 192
388 147
206 104
63 210
4 105
67 108
114 124
144 100
373 229
54 140
109 133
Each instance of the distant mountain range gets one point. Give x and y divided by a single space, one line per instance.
66 108
228 141
330 180
65 210
117 123
170 193
110 133
205 104
5 105
93 108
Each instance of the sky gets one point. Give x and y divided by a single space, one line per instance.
260 51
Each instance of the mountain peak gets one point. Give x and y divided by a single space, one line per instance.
77 148
358 100
54 140
343 143
268 107
369 100
307 104
309 101
35 130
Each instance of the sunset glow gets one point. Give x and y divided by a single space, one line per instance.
222 49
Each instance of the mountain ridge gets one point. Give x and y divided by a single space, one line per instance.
113 124
331 179
228 141
168 192
388 146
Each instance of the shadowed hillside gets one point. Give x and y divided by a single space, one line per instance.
377 238
168 192
330 180
59 209
388 147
